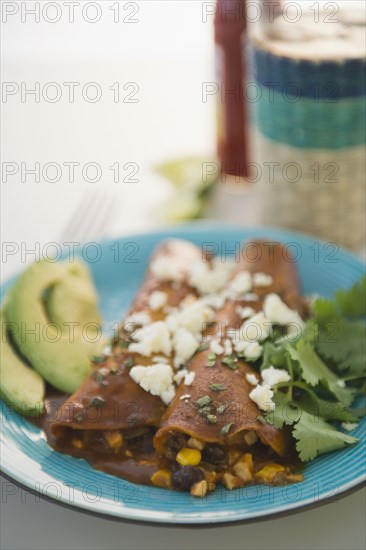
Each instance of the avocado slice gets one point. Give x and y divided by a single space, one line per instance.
20 386
75 299
59 359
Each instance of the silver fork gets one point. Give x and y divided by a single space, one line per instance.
90 219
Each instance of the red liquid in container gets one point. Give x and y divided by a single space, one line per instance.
232 116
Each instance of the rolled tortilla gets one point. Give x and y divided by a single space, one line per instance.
109 399
230 415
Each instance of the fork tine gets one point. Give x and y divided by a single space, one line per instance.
94 225
75 220
89 217
104 214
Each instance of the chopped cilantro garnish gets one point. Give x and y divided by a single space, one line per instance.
79 417
130 362
225 429
204 411
124 344
202 347
218 387
222 408
230 361
211 359
205 400
97 359
212 418
97 402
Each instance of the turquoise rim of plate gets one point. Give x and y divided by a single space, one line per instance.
27 459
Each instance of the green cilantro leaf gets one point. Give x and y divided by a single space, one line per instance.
315 371
315 436
344 343
273 355
286 411
329 410
352 303
349 303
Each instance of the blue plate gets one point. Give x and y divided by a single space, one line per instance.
118 268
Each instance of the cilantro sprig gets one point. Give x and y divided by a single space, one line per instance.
327 367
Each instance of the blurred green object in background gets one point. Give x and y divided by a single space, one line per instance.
193 179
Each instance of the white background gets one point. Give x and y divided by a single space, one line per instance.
168 54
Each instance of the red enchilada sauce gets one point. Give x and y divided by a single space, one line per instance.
136 461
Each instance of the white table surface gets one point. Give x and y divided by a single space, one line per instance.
168 54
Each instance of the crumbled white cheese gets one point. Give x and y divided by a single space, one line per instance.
241 283
240 345
153 338
185 345
349 426
194 317
207 279
245 312
252 379
262 396
155 379
261 279
228 347
107 350
188 380
158 300
185 396
139 318
188 300
166 270
216 347
216 301
253 351
228 265
278 312
160 359
251 297
180 375
272 376
257 329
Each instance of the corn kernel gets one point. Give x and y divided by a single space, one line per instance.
188 457
194 443
162 478
77 443
128 453
268 473
199 489
114 439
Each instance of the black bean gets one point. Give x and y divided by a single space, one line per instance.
185 477
175 444
213 454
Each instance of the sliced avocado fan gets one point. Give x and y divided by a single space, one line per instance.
75 299
60 355
20 386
